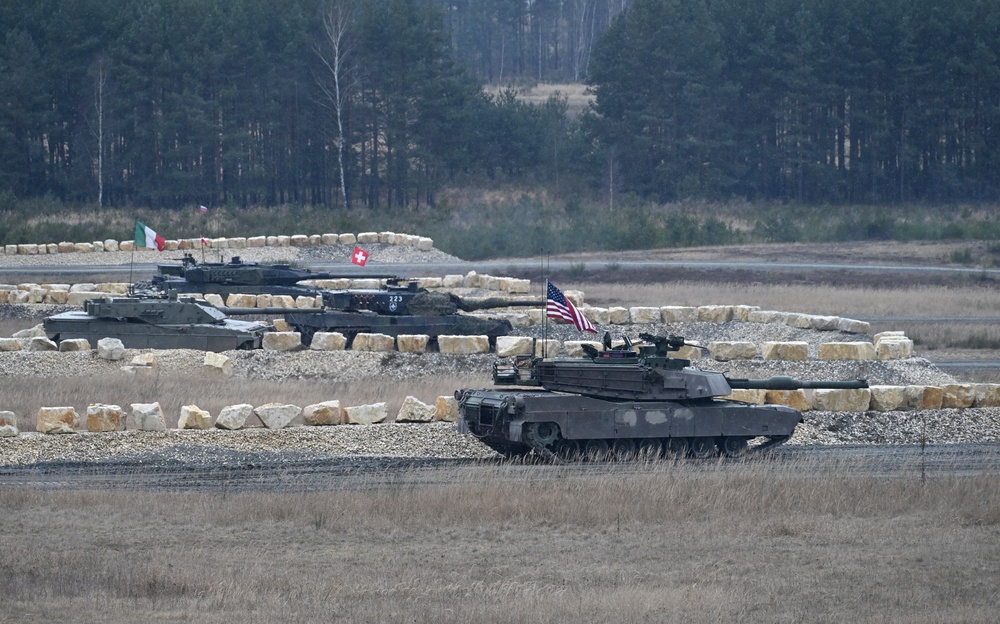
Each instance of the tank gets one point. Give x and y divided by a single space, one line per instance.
235 276
402 309
181 323
623 402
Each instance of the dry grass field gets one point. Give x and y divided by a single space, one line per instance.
752 542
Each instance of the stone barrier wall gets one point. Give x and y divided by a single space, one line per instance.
149 417
879 398
284 339
240 242
102 417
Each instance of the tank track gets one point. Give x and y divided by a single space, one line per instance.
544 452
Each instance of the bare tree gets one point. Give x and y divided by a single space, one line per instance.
334 54
100 81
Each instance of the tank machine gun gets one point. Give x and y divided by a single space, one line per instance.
625 401
179 323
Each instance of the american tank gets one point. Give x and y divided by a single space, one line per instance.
626 401
234 276
140 323
402 309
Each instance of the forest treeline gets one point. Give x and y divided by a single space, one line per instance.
380 103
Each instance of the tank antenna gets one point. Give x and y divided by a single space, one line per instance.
545 298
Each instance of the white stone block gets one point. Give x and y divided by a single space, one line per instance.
725 351
508 346
281 341
102 417
233 417
446 409
679 314
276 415
193 417
323 414
72 344
146 417
56 420
850 400
414 410
110 349
463 344
328 341
785 350
846 351
645 315
373 342
365 414
412 343
217 364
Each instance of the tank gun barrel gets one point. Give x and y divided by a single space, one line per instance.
790 383
471 305
250 311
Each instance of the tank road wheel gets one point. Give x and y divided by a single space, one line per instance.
702 448
596 450
623 450
545 433
542 437
732 446
568 450
650 449
677 448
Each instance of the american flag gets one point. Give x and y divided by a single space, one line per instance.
557 306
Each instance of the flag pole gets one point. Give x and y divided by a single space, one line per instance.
545 312
131 261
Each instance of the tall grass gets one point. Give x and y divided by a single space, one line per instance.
751 542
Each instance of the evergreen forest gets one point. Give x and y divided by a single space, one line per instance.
381 104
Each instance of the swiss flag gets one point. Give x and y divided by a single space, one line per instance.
359 257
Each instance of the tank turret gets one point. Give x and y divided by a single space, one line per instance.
626 400
642 372
236 276
181 323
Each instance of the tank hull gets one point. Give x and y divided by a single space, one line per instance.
519 421
226 336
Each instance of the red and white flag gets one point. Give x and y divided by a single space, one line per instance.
203 208
359 257
204 241
558 306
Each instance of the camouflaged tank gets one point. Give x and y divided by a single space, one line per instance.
403 309
235 276
624 402
181 323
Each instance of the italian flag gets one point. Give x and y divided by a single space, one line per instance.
145 237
